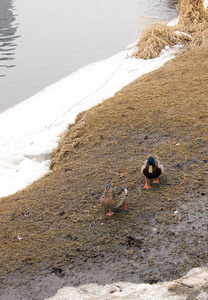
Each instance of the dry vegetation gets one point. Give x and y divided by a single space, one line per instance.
191 31
156 38
193 17
62 227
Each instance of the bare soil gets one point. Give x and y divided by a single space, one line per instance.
55 232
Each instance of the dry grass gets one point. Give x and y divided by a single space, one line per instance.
193 21
198 39
59 217
156 38
193 17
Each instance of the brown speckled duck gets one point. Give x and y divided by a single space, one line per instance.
152 169
113 197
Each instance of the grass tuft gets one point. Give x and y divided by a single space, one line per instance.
191 31
156 38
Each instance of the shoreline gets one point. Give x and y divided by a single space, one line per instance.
26 146
59 218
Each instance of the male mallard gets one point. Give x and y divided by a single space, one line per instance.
113 197
152 169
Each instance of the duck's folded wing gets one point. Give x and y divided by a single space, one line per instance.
144 166
159 165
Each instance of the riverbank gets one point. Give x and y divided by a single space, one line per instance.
55 233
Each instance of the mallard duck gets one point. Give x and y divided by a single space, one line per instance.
152 169
113 197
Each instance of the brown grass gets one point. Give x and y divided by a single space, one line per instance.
59 217
193 21
192 16
156 38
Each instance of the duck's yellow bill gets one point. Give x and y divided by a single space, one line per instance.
150 169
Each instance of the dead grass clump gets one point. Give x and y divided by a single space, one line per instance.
198 39
156 38
192 25
193 19
192 16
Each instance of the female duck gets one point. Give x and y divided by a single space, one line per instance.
152 169
113 197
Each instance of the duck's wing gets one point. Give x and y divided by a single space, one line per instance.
107 199
120 196
118 190
159 165
144 166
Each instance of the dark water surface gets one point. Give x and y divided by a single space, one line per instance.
43 41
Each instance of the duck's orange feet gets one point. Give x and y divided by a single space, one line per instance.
156 180
146 185
124 204
110 213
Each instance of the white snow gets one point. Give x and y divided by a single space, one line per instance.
173 22
195 281
31 129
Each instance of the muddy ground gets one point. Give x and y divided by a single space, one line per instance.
64 234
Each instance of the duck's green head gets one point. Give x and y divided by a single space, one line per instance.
150 163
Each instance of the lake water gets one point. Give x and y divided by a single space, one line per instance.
44 41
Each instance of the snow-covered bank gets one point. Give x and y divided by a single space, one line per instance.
192 286
31 129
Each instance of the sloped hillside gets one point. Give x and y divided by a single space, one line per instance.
56 225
